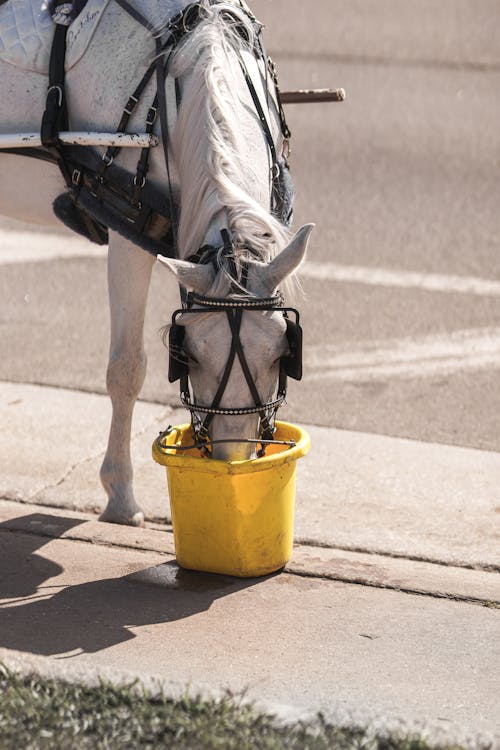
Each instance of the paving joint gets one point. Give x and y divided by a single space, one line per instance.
289 569
159 524
483 567
32 500
68 537
304 563
478 601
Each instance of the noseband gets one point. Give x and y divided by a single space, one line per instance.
234 307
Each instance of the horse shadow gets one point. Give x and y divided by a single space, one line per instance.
92 616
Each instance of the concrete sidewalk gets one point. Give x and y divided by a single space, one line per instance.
388 613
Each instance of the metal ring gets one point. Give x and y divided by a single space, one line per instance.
152 112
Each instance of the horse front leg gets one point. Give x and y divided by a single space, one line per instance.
129 274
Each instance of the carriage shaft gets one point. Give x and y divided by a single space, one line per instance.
304 96
124 140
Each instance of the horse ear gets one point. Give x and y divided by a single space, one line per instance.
288 260
193 276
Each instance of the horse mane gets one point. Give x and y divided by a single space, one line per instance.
207 142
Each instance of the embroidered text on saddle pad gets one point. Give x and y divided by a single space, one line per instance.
26 31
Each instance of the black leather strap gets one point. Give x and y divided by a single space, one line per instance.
112 151
260 112
134 13
234 318
227 371
55 117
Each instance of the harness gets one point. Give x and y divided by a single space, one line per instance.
233 307
100 195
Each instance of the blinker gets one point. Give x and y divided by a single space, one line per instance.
291 363
177 363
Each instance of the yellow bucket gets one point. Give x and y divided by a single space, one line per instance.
232 517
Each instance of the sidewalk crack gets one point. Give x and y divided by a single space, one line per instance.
99 454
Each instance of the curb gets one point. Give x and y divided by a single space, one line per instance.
363 568
28 665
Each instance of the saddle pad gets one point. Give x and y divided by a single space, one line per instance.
26 31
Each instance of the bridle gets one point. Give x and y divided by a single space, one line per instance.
234 307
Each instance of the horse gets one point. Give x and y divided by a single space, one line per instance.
218 170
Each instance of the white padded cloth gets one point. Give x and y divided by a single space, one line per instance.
26 31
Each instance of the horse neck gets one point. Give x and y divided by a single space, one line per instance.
221 161
221 156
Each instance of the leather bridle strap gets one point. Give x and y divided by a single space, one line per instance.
235 325
238 314
266 130
234 317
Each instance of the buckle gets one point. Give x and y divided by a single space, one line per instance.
76 176
130 105
152 112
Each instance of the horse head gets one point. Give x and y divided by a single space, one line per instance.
233 356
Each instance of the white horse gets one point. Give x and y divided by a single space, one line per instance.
221 179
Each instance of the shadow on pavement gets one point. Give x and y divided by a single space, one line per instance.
22 571
92 616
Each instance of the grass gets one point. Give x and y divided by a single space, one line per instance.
38 714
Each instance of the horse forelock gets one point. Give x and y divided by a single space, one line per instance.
214 178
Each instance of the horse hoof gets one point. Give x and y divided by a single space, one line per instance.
136 519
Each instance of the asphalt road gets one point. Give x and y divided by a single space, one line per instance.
402 327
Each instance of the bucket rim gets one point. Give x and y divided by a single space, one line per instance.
247 466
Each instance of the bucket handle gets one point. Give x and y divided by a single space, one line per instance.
166 450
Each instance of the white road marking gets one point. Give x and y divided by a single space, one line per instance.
30 247
433 282
426 356
423 357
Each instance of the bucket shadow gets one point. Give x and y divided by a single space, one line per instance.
89 617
